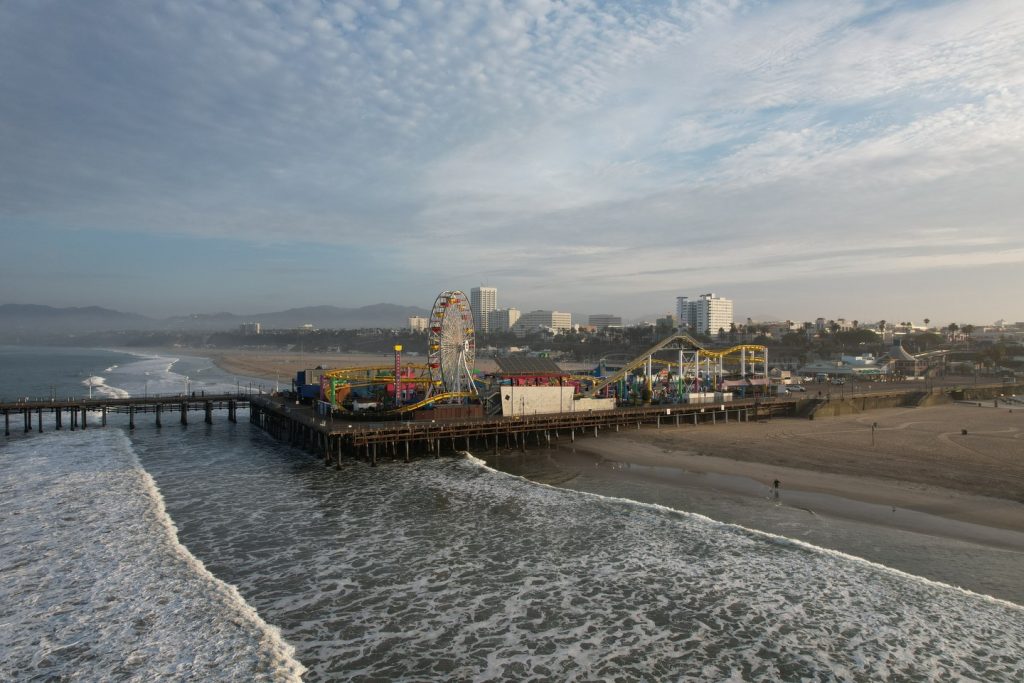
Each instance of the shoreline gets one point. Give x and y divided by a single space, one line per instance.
751 477
883 506
983 470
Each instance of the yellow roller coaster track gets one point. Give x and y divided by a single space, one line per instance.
346 373
427 401
676 342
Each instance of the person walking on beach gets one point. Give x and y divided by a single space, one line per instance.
775 489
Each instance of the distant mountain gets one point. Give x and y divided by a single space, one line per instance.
30 318
18 320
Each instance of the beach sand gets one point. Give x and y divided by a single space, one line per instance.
920 458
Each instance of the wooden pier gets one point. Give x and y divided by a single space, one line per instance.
76 411
336 439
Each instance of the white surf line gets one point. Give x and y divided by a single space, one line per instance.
775 538
290 668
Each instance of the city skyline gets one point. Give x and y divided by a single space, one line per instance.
865 158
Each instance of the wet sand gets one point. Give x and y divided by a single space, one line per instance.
920 459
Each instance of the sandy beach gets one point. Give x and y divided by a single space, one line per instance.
282 365
921 459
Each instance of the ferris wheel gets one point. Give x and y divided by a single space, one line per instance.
451 344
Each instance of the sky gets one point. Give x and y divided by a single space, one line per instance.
862 160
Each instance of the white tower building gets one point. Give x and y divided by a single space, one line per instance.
706 315
483 300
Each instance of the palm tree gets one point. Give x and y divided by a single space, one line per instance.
968 330
926 321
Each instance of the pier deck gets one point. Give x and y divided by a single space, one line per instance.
337 438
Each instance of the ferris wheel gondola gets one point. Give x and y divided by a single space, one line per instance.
451 344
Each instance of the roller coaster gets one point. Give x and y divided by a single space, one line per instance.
699 367
337 385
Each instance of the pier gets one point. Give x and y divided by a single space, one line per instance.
73 414
337 438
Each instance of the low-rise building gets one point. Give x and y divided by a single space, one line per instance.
602 321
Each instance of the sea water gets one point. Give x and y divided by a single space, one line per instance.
210 551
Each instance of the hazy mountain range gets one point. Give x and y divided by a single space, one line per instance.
46 319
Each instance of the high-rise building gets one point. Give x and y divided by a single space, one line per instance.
483 300
602 321
417 323
706 315
250 328
502 319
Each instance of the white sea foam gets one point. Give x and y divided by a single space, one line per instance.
171 375
770 537
99 387
95 585
440 570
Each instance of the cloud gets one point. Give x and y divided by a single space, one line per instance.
657 143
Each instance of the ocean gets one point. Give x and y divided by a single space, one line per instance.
212 552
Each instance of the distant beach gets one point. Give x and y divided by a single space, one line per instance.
282 365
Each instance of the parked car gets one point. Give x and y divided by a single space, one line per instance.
837 380
795 388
